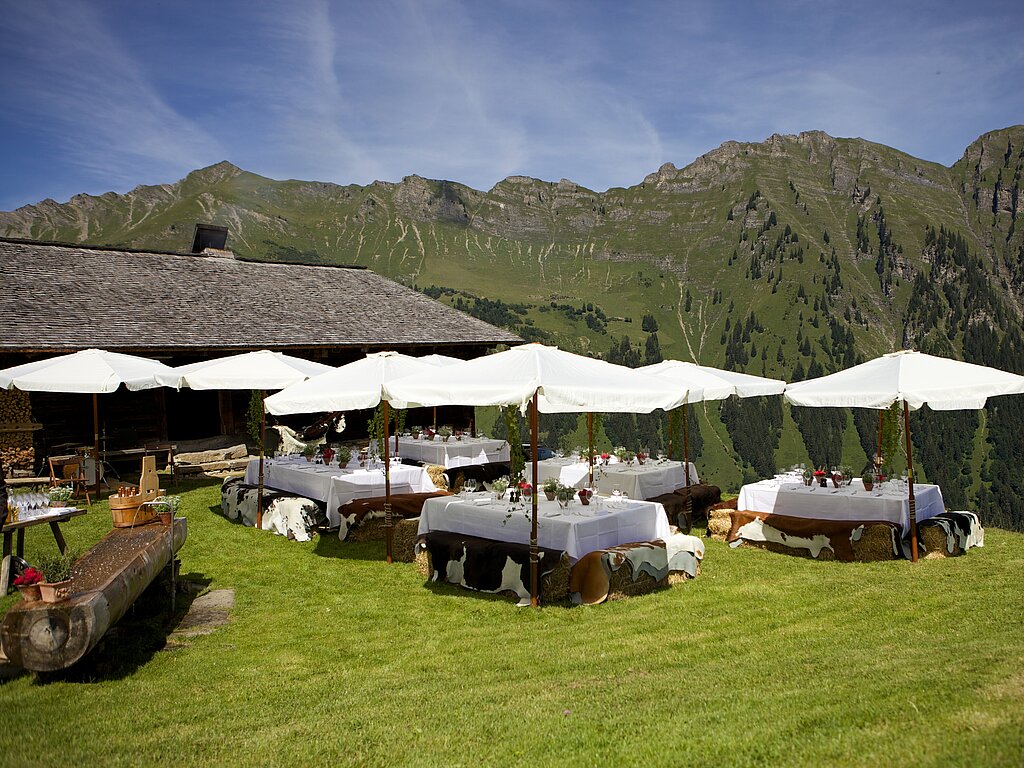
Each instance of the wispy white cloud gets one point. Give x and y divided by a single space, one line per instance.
70 78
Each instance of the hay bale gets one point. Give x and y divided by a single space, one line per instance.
403 541
933 539
437 476
423 564
875 543
719 522
368 530
554 587
621 584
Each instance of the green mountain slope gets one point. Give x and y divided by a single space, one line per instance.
790 258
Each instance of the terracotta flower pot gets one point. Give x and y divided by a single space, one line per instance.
29 592
549 495
166 517
55 592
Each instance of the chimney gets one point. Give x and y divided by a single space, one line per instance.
211 240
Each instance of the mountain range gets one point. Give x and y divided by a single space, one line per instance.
789 258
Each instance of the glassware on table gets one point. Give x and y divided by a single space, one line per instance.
469 485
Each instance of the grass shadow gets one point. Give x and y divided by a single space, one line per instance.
140 634
328 545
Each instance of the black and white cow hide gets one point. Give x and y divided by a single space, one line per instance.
963 530
283 513
486 565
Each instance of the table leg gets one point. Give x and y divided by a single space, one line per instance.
20 546
58 537
8 542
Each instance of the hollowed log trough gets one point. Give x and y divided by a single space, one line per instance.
44 637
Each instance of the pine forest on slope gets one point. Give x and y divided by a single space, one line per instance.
791 258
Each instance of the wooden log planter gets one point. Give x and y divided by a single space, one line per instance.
105 582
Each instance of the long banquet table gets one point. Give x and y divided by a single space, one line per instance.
336 485
849 503
639 481
454 453
577 530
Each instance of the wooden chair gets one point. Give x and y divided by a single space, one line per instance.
64 469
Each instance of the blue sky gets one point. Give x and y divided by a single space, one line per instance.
102 96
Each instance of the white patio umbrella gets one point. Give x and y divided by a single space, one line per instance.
352 387
543 379
261 370
914 378
90 371
716 384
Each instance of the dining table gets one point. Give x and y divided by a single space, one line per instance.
885 502
453 452
638 481
336 485
577 529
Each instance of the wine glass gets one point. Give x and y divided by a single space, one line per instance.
469 486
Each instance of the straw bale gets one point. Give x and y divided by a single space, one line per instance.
423 564
621 584
875 543
933 539
554 587
368 530
403 541
719 522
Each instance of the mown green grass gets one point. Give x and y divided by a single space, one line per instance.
333 657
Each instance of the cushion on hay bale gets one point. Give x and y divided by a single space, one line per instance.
634 569
359 513
437 476
486 565
950 534
847 540
283 513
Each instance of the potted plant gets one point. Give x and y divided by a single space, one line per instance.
445 432
309 451
808 476
60 495
57 574
415 432
525 489
167 513
564 494
550 487
822 477
28 584
868 478
641 456
499 487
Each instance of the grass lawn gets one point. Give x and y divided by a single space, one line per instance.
333 657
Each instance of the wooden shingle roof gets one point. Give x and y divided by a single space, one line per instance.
66 297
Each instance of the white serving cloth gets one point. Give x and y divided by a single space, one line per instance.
454 453
646 481
334 485
850 503
576 530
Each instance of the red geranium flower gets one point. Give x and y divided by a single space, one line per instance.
28 577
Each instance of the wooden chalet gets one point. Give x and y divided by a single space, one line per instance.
183 307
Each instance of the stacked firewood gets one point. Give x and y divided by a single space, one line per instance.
16 429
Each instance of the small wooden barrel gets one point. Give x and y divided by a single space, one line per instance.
126 510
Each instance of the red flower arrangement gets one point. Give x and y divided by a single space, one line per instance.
605 456
29 577
526 488
820 473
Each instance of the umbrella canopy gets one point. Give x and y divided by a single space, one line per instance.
251 370
913 377
348 388
715 384
563 382
89 371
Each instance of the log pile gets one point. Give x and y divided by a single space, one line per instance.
16 428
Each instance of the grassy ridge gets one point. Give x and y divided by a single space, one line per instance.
333 656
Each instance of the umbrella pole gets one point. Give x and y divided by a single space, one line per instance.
263 431
910 484
878 456
435 418
96 444
534 598
387 485
590 445
688 508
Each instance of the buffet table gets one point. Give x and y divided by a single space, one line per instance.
333 484
453 453
850 503
638 481
577 530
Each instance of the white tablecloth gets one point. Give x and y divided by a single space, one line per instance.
454 453
334 485
850 503
645 481
577 530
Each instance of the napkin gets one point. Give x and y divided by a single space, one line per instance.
481 502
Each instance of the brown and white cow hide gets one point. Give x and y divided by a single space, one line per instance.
842 539
590 579
403 506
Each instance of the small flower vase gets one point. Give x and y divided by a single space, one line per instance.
585 494
528 493
549 495
823 481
